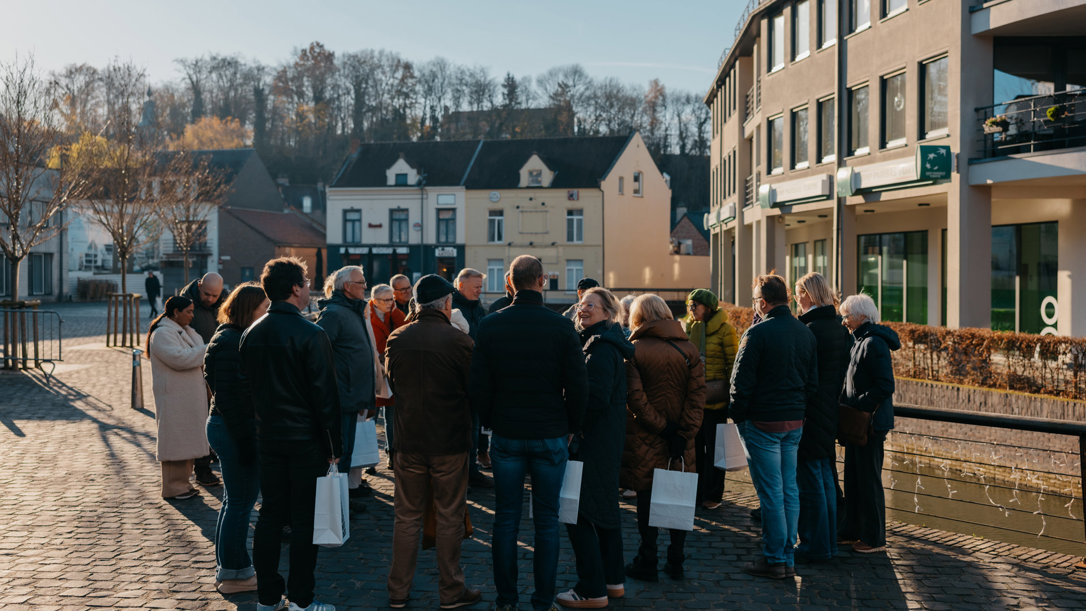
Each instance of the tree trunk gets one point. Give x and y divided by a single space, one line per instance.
124 300
15 278
185 259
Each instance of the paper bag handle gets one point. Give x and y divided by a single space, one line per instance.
682 463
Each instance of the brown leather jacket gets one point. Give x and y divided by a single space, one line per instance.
428 361
665 383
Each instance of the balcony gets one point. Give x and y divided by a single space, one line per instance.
1033 124
753 100
750 189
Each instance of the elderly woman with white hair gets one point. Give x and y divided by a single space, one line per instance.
869 388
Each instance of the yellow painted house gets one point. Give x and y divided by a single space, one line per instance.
594 207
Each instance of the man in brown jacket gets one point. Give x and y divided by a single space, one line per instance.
428 361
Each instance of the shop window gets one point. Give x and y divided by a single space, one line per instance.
1025 260
893 270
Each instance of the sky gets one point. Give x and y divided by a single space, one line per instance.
632 40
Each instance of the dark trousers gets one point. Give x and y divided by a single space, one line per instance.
479 443
203 467
599 557
865 502
710 479
288 483
647 551
151 303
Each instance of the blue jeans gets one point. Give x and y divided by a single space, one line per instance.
545 459
817 508
241 482
772 459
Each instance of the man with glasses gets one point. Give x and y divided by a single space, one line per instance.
343 318
775 374
288 367
401 288
469 287
528 384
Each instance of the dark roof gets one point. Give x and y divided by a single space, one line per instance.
444 163
229 161
294 194
287 228
689 181
578 162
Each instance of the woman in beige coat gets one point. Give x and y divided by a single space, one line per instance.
177 356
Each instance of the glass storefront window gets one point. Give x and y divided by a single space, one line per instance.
893 270
1024 264
798 267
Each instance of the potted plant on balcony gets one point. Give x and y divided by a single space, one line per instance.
1057 112
996 125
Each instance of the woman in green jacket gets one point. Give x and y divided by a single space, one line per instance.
707 326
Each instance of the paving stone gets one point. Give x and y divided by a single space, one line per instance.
111 542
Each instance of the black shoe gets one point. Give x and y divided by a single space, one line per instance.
478 480
371 471
641 571
674 571
468 598
208 479
360 492
763 568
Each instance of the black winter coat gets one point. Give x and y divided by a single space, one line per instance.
869 383
229 391
500 303
604 432
288 363
834 344
528 378
343 321
205 320
472 310
776 370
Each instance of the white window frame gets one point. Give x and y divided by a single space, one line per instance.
574 273
495 226
495 276
638 191
575 226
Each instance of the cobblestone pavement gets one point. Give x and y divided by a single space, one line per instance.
82 526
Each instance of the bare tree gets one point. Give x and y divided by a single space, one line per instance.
187 189
33 196
119 170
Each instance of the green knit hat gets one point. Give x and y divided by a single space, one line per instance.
704 297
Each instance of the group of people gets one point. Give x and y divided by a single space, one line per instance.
624 387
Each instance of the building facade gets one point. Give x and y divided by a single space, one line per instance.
931 153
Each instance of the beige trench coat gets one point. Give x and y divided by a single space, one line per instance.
177 358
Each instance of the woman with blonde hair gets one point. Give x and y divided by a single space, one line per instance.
385 318
816 466
596 537
665 393
231 431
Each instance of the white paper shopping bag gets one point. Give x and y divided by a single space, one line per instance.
731 453
569 498
331 520
365 452
674 494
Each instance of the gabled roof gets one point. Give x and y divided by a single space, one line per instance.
294 194
228 161
287 228
694 223
444 163
577 162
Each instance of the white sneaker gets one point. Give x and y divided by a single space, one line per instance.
279 606
313 606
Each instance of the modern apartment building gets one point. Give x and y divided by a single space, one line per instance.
931 153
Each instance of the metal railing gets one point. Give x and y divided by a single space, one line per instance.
1034 123
750 189
29 337
1008 422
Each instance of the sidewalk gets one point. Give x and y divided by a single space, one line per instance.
82 526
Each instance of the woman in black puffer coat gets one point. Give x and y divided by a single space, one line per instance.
869 386
596 537
816 472
231 431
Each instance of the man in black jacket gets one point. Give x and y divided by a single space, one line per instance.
207 295
529 384
152 289
775 375
288 363
504 301
469 286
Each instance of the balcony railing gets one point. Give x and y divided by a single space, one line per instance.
753 100
750 189
1032 124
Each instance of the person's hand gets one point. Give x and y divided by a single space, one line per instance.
333 460
370 413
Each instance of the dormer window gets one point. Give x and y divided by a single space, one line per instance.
535 178
401 179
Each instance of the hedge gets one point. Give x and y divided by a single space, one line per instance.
1038 364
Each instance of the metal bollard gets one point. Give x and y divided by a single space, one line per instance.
137 381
